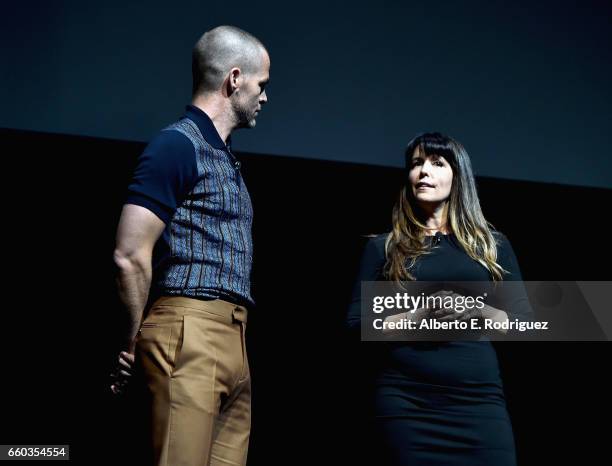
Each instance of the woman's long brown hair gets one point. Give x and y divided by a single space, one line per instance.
405 244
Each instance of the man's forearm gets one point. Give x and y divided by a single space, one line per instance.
133 283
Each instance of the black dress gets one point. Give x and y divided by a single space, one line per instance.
441 403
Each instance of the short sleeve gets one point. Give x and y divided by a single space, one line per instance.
165 173
370 269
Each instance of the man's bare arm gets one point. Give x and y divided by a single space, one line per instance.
137 233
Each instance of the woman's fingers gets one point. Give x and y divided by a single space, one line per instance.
443 312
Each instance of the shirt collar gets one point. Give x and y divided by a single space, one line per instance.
206 127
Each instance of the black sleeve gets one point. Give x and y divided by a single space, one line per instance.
165 173
371 267
514 299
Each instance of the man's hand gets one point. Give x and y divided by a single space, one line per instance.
123 372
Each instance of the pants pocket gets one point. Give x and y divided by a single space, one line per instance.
186 350
159 344
245 361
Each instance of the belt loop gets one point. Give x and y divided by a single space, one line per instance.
239 314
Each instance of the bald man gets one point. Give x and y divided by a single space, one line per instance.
184 254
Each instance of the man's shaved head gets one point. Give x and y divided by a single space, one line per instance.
218 51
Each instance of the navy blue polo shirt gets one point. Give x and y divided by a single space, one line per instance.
189 178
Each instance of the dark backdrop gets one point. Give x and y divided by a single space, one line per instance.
524 85
63 196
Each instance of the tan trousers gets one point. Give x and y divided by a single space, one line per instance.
192 357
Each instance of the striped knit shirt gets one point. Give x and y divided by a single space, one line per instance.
190 179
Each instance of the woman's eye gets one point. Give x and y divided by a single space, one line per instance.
439 164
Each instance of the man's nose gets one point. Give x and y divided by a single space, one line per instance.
263 98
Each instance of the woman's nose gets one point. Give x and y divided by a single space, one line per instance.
425 169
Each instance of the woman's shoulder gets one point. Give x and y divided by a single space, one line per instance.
506 256
377 240
375 244
501 240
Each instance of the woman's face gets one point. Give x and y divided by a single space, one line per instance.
430 177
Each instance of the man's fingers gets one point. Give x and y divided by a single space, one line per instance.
122 373
125 363
115 389
126 358
129 357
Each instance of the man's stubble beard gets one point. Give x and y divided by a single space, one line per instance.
245 120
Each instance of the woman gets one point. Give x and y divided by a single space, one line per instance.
441 403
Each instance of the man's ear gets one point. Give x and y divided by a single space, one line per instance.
235 79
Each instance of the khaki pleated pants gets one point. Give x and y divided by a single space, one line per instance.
193 368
